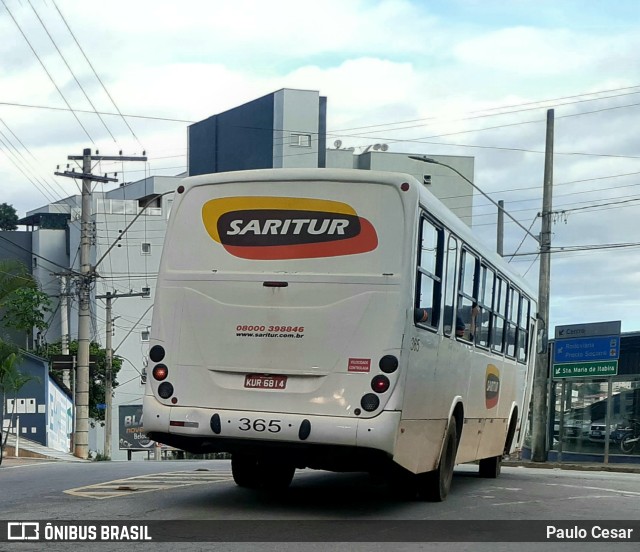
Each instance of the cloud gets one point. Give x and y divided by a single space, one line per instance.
430 75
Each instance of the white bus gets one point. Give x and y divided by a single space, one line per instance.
335 319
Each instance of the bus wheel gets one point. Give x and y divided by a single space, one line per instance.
245 470
435 485
276 477
490 467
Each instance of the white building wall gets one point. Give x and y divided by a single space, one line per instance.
295 136
51 245
126 268
455 192
130 267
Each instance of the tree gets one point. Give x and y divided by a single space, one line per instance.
97 373
8 217
22 304
25 309
11 381
13 275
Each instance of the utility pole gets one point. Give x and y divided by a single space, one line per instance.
108 381
539 431
108 389
87 277
64 323
500 236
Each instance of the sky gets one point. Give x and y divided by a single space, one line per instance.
442 77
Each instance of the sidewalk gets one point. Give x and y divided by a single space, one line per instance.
12 461
31 452
586 466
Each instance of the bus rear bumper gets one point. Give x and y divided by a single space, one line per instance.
212 429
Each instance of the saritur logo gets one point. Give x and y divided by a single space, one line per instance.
267 228
492 386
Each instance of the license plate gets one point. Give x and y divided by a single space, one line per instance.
597 433
257 381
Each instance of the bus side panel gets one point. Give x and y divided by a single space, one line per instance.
437 373
419 443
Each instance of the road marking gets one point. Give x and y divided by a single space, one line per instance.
619 491
148 483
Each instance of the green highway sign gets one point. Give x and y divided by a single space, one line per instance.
586 369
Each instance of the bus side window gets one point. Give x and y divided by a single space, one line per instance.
485 304
512 321
499 315
450 285
467 303
429 277
523 330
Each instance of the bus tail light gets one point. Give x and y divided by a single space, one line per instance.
156 354
370 402
165 390
160 372
388 364
380 384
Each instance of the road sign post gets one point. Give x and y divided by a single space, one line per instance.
586 369
587 350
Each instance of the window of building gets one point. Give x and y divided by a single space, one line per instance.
146 248
144 335
300 140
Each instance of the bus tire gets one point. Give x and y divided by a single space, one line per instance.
434 486
276 477
246 471
490 467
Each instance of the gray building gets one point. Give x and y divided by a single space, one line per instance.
287 129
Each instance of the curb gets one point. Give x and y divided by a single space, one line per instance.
621 468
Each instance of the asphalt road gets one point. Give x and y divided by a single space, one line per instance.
204 490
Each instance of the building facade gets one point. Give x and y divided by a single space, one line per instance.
42 411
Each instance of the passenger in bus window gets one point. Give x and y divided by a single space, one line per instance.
475 311
466 330
420 315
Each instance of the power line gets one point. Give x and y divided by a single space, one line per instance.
522 105
71 71
423 140
26 163
573 248
523 238
47 72
95 72
52 108
66 268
